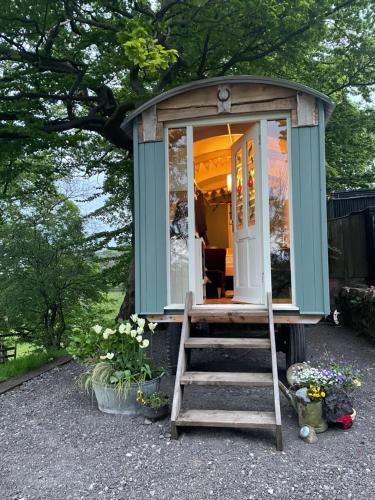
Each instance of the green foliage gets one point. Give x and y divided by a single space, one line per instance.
115 355
27 363
66 59
350 148
155 400
48 270
71 71
141 49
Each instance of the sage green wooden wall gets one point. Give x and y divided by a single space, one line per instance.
309 221
310 218
150 199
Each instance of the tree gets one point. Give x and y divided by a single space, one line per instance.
81 66
47 268
351 148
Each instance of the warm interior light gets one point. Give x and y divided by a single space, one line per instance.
229 183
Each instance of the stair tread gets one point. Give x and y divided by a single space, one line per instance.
234 343
225 418
225 315
227 378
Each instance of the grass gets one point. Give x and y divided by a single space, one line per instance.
28 362
111 307
29 357
24 349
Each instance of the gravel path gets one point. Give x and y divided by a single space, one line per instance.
55 444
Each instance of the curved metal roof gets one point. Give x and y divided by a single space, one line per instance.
263 80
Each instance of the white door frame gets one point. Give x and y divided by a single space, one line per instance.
262 119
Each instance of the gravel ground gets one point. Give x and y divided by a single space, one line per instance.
55 444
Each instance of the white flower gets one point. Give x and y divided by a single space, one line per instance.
128 328
141 322
133 333
107 332
122 328
152 326
139 338
144 344
110 355
97 329
134 318
103 357
139 330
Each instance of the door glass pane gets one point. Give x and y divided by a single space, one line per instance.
178 215
278 184
250 182
239 193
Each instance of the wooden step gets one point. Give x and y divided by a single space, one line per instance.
227 343
227 378
224 418
229 315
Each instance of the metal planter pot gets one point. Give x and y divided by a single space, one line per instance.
312 414
155 413
110 402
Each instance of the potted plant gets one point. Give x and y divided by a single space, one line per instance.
118 364
154 406
321 394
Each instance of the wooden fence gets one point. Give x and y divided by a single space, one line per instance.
7 352
347 238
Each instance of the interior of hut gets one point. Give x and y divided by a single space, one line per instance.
213 205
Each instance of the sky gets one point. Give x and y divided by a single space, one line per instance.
78 189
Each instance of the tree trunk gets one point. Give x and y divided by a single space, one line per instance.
128 305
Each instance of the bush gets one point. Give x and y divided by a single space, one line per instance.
357 308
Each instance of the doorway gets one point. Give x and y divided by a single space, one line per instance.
228 214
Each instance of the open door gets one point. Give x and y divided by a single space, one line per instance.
247 214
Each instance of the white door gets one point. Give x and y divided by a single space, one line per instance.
247 217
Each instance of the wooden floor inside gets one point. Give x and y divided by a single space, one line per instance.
228 300
224 300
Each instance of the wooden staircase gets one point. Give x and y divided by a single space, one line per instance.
224 418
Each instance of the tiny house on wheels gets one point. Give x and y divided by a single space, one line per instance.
230 220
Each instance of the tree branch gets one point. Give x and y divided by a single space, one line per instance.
94 124
51 97
135 81
42 63
96 24
351 84
243 57
202 64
